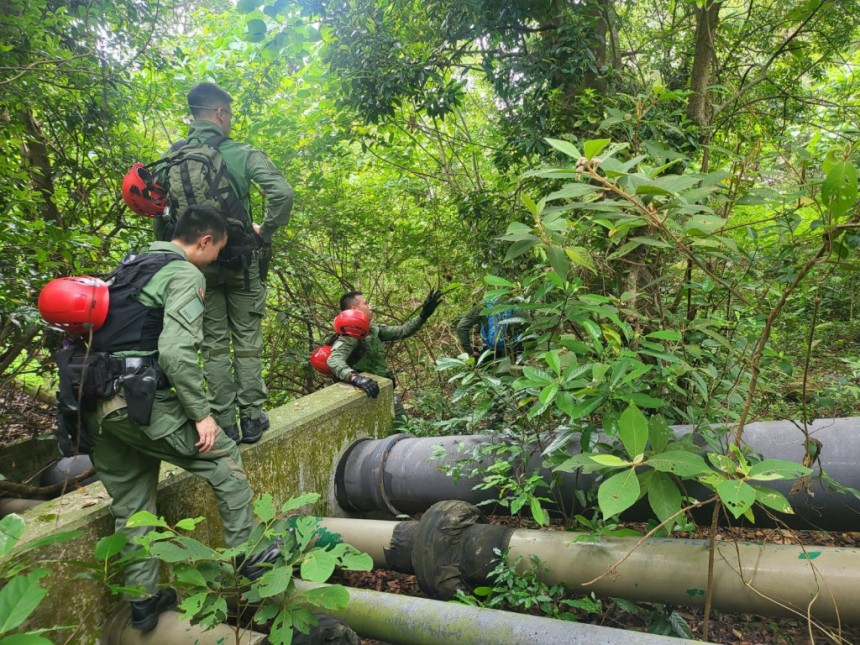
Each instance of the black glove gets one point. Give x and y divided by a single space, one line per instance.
368 385
430 303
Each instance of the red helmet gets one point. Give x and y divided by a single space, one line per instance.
352 322
141 193
75 304
319 360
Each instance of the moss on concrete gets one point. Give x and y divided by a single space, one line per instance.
298 454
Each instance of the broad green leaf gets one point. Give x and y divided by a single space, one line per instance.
496 281
558 260
679 462
189 523
539 513
704 224
318 565
633 430
354 560
145 518
247 6
566 147
571 190
529 203
547 395
255 30
329 597
264 508
658 433
11 530
722 462
663 496
770 469
517 227
772 499
552 359
839 191
109 546
583 408
736 495
580 256
182 549
592 328
295 503
618 493
281 632
537 376
595 147
609 460
19 598
518 248
275 581
189 575
665 334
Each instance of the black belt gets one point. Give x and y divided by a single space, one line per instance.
128 365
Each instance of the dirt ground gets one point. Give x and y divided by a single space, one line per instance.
22 417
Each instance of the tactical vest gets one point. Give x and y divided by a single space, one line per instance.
129 324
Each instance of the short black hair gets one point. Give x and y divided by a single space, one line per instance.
198 221
347 300
207 96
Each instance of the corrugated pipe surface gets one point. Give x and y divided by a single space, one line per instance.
399 474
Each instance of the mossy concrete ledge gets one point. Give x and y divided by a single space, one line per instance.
298 454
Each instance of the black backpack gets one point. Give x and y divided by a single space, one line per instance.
196 174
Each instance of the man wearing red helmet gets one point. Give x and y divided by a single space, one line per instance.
158 410
351 354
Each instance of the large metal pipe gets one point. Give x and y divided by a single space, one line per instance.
173 630
451 548
418 621
401 474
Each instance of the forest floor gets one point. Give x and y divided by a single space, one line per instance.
22 417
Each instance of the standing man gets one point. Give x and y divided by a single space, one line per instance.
159 412
351 355
235 295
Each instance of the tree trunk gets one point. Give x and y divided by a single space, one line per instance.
35 153
598 11
706 30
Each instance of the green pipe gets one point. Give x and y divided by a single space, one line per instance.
767 579
172 629
419 621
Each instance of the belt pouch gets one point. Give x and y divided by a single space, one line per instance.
139 392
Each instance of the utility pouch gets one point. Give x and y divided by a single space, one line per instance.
84 378
139 391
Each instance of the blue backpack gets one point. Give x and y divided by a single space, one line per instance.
497 336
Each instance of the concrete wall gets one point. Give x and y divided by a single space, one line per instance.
298 454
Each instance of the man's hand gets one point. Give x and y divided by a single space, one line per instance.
430 303
367 385
207 429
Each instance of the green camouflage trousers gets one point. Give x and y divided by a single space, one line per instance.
234 315
128 462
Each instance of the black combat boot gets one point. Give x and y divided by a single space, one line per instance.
145 613
232 431
253 429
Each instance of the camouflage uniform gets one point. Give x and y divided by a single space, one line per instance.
233 313
350 354
128 456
